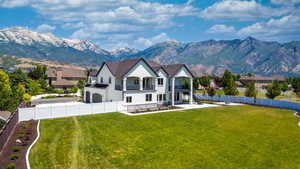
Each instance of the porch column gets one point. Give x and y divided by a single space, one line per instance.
155 84
191 90
91 97
173 91
141 83
124 84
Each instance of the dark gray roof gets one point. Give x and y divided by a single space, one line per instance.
120 68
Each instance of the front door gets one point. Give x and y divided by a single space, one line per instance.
177 96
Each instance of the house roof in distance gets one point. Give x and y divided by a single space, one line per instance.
63 82
66 72
120 68
263 78
4 115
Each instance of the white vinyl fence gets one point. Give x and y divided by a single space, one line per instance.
251 100
67 110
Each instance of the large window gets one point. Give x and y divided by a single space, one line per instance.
136 81
161 97
160 81
129 99
148 97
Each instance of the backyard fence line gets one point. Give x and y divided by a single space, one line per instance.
67 110
250 100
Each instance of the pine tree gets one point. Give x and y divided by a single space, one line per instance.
251 90
273 90
230 88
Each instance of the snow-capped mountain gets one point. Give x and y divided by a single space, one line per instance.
19 41
24 36
121 52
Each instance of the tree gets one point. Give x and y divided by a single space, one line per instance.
228 83
211 91
284 87
35 87
204 81
251 90
5 92
19 77
20 92
249 74
296 85
273 90
39 74
230 88
226 77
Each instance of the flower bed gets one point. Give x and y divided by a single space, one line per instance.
155 109
13 154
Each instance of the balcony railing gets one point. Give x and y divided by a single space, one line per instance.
134 87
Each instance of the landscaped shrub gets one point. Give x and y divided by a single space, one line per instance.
21 134
68 95
16 149
14 157
25 125
11 166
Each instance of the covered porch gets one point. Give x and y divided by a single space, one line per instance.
137 83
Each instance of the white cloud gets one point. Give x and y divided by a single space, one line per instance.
14 3
240 10
44 28
97 19
143 42
221 29
284 28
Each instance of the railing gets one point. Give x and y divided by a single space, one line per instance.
148 87
134 87
251 100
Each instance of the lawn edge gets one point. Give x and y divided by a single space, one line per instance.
32 144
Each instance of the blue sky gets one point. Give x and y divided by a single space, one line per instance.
142 23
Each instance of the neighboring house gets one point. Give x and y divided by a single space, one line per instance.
261 81
4 115
140 82
92 77
63 78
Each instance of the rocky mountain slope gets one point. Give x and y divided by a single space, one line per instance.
240 56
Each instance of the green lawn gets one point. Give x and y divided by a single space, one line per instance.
236 137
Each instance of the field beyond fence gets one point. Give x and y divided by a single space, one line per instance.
250 100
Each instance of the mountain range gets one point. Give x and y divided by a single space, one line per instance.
206 57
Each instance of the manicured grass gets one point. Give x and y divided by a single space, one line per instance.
243 137
295 100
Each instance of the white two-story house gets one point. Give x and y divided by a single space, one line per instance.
139 82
